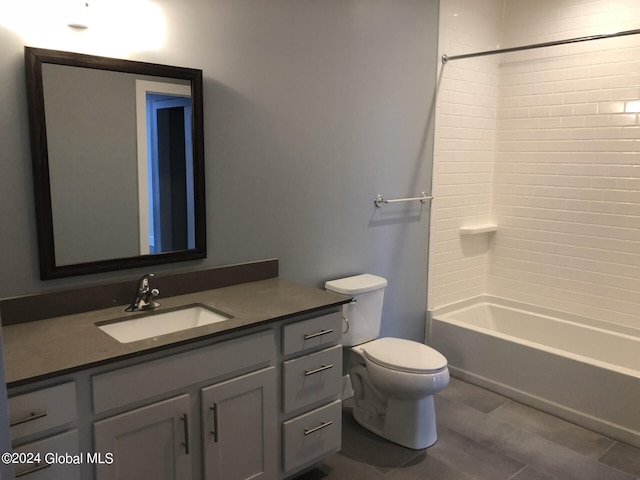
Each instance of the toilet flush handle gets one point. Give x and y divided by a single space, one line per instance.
346 320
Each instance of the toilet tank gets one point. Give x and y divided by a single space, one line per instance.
363 315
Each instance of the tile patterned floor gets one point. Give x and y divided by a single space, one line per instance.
483 435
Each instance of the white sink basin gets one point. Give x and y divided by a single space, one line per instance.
156 324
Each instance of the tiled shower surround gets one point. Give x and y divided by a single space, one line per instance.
546 144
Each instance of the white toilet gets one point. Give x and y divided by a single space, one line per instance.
393 379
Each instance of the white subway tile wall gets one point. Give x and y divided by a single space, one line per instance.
565 165
464 149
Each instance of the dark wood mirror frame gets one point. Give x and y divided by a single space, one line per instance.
34 59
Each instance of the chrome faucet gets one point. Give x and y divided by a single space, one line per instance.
144 299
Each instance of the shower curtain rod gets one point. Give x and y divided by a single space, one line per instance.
446 58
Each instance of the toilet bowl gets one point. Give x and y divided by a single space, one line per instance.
393 399
393 379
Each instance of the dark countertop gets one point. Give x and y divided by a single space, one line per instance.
45 348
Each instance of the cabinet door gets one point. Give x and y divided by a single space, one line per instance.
239 427
151 442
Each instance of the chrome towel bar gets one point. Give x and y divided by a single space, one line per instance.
379 200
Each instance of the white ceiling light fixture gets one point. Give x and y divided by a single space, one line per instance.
79 12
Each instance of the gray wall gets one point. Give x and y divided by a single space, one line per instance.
311 109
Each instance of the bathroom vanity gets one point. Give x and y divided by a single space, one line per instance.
253 396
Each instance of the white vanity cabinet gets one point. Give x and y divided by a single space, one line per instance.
260 403
171 439
237 423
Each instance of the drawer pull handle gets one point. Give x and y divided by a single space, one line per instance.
36 468
319 427
214 432
318 370
318 334
33 416
185 419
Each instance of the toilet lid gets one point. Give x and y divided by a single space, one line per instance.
404 355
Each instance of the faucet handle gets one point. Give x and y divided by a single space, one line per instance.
147 299
152 295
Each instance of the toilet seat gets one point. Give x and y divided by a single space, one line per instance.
404 355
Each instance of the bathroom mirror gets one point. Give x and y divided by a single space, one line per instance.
118 162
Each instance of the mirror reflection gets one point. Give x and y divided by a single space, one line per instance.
120 177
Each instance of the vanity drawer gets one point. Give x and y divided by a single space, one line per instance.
311 378
132 384
41 410
57 455
312 435
313 333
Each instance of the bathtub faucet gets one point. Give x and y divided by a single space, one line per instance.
145 296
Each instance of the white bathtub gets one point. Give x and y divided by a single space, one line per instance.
581 369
